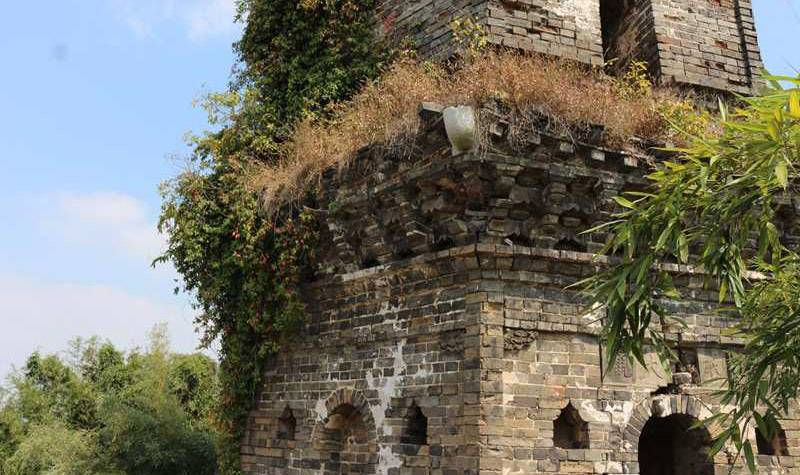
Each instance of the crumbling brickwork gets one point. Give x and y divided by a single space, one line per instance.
444 286
710 44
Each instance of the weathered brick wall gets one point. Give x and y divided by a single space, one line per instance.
711 44
377 342
569 29
565 28
542 195
444 285
542 353
426 23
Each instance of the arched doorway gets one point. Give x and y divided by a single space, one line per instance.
670 446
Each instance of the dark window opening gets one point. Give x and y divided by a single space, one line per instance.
774 443
688 363
519 240
570 431
612 13
443 242
416 427
287 425
670 388
369 261
671 446
570 244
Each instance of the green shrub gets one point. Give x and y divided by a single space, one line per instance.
144 436
55 449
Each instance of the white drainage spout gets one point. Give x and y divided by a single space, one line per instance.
459 123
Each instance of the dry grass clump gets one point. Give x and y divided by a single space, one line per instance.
385 113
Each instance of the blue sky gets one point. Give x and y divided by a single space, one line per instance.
96 96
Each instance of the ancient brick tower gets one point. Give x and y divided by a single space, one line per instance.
440 337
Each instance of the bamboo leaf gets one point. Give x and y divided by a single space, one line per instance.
761 425
723 290
719 443
782 173
748 456
723 110
683 248
794 103
774 130
624 202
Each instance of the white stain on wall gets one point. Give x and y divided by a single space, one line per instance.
583 11
387 388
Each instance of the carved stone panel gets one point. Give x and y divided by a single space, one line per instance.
517 339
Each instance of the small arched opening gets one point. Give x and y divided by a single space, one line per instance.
346 442
287 425
416 430
570 431
671 446
773 443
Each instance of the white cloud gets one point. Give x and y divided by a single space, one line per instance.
200 19
45 315
211 18
106 219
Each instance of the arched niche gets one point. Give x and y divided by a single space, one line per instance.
570 431
287 424
774 443
415 431
660 432
346 438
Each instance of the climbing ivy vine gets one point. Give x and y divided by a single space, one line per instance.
242 266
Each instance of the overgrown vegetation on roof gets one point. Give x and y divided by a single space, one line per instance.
385 113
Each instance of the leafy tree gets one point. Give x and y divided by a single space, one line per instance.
108 412
716 206
155 437
55 449
49 389
11 431
101 364
192 379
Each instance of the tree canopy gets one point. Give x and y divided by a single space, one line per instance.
102 411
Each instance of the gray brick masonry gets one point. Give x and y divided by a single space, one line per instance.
709 44
444 286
